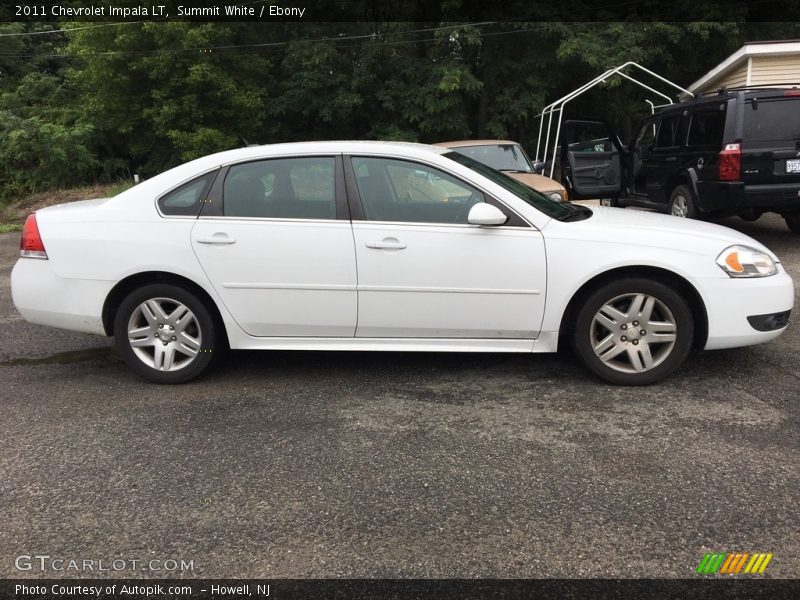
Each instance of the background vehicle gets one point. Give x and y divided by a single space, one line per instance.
736 152
323 246
509 157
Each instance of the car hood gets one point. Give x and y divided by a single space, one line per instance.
645 228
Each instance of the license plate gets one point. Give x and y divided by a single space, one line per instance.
793 166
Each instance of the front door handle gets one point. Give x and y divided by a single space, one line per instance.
217 238
387 244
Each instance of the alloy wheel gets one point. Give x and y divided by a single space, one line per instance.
164 334
680 206
633 333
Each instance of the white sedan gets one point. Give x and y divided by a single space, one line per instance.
327 246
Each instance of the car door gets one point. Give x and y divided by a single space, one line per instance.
275 241
593 160
659 166
642 147
423 272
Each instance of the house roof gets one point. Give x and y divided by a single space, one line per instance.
766 48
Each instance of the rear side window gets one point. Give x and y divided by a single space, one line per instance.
187 199
706 129
669 133
772 119
285 188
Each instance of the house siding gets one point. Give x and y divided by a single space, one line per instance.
769 70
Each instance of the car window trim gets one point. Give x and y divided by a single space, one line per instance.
214 206
357 210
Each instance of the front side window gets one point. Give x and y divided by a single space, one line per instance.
186 200
407 192
282 188
589 136
555 210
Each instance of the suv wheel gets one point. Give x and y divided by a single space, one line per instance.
633 331
614 202
682 204
793 222
165 334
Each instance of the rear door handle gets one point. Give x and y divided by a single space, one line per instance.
387 244
217 238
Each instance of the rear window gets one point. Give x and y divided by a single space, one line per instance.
772 119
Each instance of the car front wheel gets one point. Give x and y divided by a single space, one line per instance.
165 334
633 331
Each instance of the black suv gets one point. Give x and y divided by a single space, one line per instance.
735 152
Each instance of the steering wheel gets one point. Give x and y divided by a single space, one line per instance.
474 198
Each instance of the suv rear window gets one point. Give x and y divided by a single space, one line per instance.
772 119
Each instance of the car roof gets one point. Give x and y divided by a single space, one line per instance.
462 143
196 167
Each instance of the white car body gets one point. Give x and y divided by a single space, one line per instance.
322 285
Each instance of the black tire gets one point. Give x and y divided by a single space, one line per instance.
613 202
792 222
682 203
200 326
668 306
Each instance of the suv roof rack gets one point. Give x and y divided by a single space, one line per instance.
747 88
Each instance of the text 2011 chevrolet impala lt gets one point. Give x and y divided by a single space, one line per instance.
387 246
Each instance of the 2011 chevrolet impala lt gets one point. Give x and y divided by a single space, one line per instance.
388 246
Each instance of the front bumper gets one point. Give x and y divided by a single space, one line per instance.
730 303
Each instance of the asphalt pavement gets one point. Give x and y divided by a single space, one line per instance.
318 464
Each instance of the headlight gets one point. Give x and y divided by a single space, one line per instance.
741 261
555 196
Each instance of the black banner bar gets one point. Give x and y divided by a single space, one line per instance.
410 11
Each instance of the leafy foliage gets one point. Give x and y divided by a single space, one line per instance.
102 103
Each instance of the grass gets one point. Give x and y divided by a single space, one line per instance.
13 214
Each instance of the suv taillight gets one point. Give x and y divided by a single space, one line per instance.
31 245
730 163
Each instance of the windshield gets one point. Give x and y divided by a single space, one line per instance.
556 210
503 157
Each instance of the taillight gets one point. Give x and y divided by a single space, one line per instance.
730 163
792 93
31 245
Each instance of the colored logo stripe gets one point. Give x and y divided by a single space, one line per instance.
733 563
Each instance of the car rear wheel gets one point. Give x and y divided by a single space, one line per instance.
682 204
793 222
613 202
165 334
633 331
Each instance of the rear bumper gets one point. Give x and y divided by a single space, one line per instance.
44 298
733 304
735 196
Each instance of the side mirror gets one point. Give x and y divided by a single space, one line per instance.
486 214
